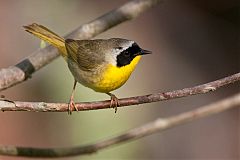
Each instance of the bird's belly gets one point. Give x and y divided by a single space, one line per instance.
106 78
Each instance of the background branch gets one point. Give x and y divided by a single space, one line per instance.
158 125
22 71
7 105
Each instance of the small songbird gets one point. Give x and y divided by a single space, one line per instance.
101 64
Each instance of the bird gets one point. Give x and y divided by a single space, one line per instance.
103 65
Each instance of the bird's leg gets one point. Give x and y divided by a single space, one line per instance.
71 104
114 101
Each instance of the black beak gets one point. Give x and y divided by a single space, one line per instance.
143 52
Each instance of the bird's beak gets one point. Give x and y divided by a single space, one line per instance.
143 52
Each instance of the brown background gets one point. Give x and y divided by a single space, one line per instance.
193 42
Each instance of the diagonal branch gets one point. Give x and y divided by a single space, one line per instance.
6 105
158 125
23 70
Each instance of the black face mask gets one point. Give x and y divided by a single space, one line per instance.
126 56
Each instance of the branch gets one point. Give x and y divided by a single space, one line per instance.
7 105
158 125
23 70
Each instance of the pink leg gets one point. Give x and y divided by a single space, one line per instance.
71 104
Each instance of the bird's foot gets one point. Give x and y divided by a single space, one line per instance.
71 106
114 103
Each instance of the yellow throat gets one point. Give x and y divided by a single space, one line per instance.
114 77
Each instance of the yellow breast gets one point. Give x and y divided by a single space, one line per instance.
114 77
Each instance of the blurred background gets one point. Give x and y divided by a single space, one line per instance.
193 42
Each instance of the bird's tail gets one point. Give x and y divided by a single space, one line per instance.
48 36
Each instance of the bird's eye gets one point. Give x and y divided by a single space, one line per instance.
126 53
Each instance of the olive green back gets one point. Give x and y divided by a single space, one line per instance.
88 54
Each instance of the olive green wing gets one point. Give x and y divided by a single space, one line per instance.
86 53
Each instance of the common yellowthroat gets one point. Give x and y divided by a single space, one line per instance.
101 64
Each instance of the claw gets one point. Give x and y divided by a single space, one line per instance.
71 106
114 103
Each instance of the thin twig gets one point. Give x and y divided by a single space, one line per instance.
7 105
23 70
158 125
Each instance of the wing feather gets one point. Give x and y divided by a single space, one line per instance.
86 53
